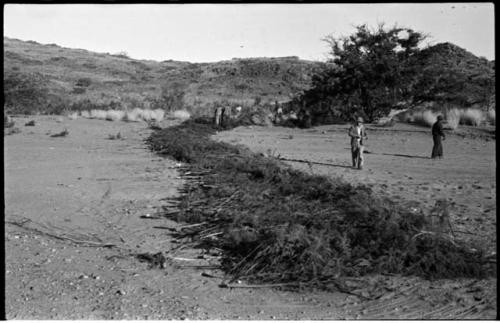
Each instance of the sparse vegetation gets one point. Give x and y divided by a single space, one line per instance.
472 117
491 116
453 118
81 80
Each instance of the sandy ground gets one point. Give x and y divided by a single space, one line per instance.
66 197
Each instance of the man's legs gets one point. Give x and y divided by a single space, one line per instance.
360 157
354 153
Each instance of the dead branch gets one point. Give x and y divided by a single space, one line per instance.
61 237
435 234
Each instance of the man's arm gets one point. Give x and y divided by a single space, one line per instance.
441 131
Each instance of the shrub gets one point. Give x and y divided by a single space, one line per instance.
491 116
133 116
146 115
79 90
420 117
472 117
98 114
181 115
158 115
85 114
453 118
23 93
114 115
429 118
84 82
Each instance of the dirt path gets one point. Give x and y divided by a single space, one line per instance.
67 196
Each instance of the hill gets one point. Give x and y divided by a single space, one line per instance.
451 74
50 78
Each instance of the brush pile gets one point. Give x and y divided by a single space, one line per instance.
276 224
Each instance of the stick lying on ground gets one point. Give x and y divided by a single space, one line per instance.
310 162
60 237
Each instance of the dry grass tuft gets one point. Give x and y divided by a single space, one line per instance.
98 114
180 115
490 116
63 133
472 117
453 118
133 116
115 115
115 137
158 115
85 114
428 118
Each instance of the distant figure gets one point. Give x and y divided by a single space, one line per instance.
224 117
437 133
357 133
218 116
278 112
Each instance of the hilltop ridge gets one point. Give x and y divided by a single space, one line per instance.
75 77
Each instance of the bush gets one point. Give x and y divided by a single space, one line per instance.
84 82
133 116
429 118
472 117
98 114
453 118
491 116
24 93
180 114
85 114
114 115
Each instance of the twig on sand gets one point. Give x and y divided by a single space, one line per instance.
224 285
61 237
310 162
436 234
191 225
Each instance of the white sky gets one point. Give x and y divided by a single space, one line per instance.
214 32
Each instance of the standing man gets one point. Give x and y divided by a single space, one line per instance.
357 133
218 116
437 133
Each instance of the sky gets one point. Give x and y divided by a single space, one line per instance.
216 32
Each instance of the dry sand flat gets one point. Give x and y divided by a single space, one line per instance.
67 196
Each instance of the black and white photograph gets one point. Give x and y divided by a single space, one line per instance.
250 161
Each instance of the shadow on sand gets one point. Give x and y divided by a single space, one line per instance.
397 155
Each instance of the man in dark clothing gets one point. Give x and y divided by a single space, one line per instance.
437 133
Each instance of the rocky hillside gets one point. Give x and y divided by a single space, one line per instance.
452 74
49 78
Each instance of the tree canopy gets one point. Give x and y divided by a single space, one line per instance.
370 72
